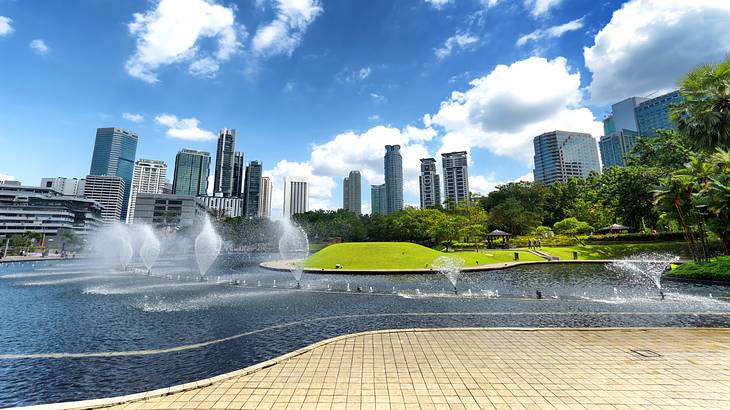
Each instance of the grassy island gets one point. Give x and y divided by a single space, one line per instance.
718 270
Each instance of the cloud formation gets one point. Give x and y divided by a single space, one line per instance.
39 46
455 43
540 7
6 26
551 32
135 118
284 34
649 44
185 128
439 4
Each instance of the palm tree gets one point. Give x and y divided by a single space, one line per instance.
675 192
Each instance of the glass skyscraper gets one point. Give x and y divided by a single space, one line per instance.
377 199
192 169
351 193
560 155
223 183
252 189
393 163
653 115
114 153
615 146
238 175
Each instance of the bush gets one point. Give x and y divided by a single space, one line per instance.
638 237
572 226
718 269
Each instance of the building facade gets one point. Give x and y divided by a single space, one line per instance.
192 169
238 175
149 178
114 153
378 201
393 167
296 196
654 114
352 193
167 210
456 176
430 184
221 206
615 146
223 180
65 186
560 155
109 192
252 189
267 190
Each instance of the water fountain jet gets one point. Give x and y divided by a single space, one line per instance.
207 247
449 267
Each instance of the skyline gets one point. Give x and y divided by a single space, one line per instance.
317 100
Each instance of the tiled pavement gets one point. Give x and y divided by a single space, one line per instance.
478 369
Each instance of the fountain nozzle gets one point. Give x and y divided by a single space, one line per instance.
456 291
298 285
661 294
538 294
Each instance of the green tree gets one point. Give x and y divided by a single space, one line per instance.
572 226
513 217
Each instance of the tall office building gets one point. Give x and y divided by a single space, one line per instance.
456 176
393 164
560 155
615 147
620 128
252 189
378 201
149 178
108 191
267 190
430 184
352 193
223 182
238 175
192 169
65 186
296 196
114 153
653 114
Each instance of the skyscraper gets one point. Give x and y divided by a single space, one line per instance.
267 190
192 169
560 155
378 202
107 191
223 183
149 178
252 189
615 146
456 176
430 184
393 164
653 114
238 175
296 196
351 193
114 153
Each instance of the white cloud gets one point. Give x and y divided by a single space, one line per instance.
540 7
39 46
551 32
649 44
172 32
6 177
350 76
457 43
185 128
284 34
6 27
374 118
504 110
439 4
486 184
378 98
136 118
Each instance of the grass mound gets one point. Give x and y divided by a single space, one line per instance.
718 269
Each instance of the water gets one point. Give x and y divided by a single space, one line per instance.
293 246
149 251
450 267
81 308
207 247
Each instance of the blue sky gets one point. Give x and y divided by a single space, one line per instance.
317 87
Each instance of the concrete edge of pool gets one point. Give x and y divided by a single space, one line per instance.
136 397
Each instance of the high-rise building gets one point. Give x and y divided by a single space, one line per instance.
267 190
352 193
653 114
560 155
168 210
223 183
108 191
149 178
192 169
65 186
430 184
252 189
456 176
615 146
238 175
378 201
296 196
114 153
222 207
393 164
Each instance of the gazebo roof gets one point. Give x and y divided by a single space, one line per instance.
615 227
497 232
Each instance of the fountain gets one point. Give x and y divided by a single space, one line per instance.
149 251
294 248
207 247
450 267
646 265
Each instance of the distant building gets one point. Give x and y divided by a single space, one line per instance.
654 114
168 187
238 175
393 166
267 190
109 192
252 189
44 210
167 210
456 176
616 146
352 193
223 207
114 153
296 196
192 169
378 201
560 155
65 186
223 182
430 184
149 178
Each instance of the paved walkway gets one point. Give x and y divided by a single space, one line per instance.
484 369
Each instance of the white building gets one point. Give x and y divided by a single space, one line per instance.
267 189
149 178
65 186
107 191
296 196
230 207
456 176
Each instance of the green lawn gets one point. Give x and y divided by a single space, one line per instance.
613 251
399 255
718 269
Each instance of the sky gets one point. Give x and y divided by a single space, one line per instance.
317 88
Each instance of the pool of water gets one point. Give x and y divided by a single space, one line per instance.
77 330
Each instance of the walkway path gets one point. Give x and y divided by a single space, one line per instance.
478 369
